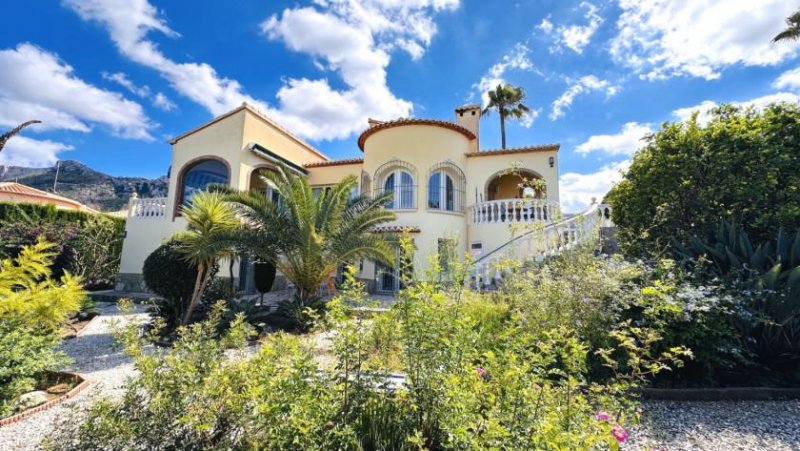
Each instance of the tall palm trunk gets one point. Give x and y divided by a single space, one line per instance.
502 130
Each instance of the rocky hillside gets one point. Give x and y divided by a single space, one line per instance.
82 183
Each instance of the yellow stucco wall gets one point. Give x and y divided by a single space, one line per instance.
331 175
422 146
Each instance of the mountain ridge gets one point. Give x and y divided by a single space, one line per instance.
93 188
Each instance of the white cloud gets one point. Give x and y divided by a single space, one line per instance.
626 142
36 84
665 38
161 101
574 37
584 84
14 112
528 120
516 59
577 190
351 38
546 25
355 40
704 108
788 80
129 22
123 80
24 151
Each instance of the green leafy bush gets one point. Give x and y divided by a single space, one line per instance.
32 309
762 287
743 165
477 374
87 244
167 273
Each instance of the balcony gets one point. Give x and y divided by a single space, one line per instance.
510 211
155 207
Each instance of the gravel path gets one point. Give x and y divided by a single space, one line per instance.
718 426
95 357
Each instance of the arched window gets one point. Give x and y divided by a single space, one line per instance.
198 175
441 192
397 177
401 183
446 187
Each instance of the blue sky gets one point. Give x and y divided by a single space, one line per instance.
113 80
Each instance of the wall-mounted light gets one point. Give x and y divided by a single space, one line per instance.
552 161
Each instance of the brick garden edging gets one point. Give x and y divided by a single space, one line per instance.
49 404
721 394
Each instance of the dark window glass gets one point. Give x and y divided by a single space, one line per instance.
200 175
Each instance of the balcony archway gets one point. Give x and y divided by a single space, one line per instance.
515 184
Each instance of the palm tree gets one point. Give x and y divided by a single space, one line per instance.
210 235
308 238
792 30
14 131
507 100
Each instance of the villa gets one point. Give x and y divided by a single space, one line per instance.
447 191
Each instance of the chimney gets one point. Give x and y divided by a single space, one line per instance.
469 117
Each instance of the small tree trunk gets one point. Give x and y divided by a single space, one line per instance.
198 290
230 273
502 130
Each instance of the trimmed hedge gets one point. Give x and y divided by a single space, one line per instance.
11 211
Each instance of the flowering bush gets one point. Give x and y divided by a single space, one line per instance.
474 371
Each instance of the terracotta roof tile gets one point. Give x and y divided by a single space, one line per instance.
321 164
513 150
396 229
18 188
400 122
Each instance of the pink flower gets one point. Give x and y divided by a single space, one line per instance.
481 372
619 433
602 416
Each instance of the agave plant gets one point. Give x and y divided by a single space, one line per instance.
767 265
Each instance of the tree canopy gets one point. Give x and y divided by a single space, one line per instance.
743 165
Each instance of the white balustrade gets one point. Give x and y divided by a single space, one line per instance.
509 211
540 244
155 207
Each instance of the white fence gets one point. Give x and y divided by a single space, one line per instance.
155 207
507 211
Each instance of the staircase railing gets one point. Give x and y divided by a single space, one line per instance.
536 245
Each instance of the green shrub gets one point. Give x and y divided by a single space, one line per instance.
87 244
478 375
166 272
743 164
33 307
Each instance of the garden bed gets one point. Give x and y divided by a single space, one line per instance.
57 388
77 325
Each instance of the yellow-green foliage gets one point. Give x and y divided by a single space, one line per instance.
29 296
32 308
